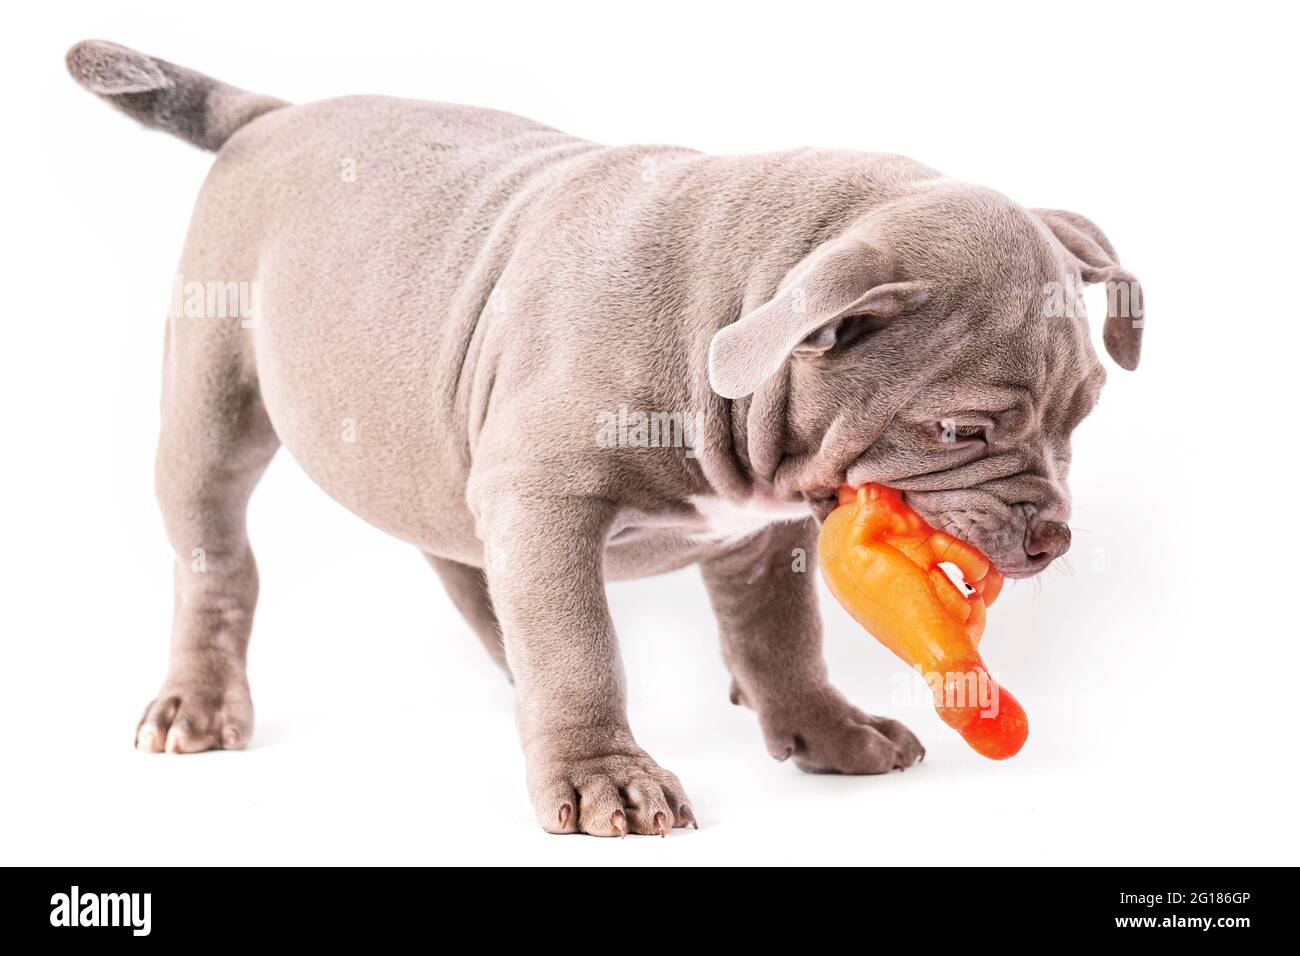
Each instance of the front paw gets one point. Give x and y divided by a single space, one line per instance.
823 733
599 782
192 715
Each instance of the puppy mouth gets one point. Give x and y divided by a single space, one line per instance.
823 501
822 504
1019 574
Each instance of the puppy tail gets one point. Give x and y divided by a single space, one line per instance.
161 95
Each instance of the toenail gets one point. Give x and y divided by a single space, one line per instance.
661 823
618 820
566 811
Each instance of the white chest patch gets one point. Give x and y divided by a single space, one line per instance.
728 521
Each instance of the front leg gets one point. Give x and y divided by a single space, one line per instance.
772 643
544 560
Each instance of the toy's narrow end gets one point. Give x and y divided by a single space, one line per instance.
996 726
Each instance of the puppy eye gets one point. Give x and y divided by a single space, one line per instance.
952 433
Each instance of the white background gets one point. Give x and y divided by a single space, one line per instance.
1158 669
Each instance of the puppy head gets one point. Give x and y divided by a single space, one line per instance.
939 346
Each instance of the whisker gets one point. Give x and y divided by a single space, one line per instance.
1065 562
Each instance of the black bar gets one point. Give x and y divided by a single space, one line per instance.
213 905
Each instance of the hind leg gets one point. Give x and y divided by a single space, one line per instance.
216 442
469 592
772 644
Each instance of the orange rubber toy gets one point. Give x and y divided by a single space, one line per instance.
882 562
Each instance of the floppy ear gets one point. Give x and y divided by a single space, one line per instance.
1097 262
845 278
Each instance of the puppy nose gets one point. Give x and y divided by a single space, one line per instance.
1047 540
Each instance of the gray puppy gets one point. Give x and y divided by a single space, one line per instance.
548 363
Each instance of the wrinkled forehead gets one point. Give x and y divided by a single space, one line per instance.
1027 329
1043 366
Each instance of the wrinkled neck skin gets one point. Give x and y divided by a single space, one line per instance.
769 462
745 453
759 457
749 452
